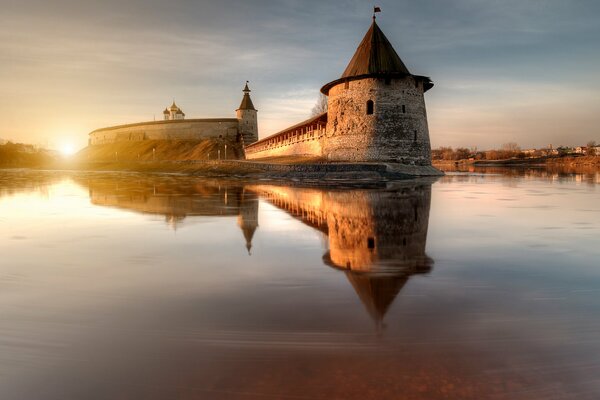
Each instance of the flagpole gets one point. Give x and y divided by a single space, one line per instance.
376 10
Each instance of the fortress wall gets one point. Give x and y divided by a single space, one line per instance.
162 130
349 129
303 139
392 133
307 147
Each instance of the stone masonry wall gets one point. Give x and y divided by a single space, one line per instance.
164 130
397 130
248 125
301 141
309 147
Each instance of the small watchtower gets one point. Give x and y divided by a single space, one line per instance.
376 109
246 115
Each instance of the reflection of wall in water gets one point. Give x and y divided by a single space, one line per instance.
377 237
177 200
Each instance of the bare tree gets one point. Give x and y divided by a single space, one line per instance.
511 146
446 153
492 155
591 148
320 107
462 153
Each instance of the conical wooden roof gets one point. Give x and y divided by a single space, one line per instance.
377 293
246 103
246 100
375 55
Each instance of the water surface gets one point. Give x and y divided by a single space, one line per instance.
123 286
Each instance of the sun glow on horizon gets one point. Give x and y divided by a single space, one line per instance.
67 149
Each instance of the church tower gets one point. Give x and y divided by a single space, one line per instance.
246 115
376 109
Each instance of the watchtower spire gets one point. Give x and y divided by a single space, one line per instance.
246 100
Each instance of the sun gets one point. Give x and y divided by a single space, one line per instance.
67 149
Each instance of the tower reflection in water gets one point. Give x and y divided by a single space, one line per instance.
376 237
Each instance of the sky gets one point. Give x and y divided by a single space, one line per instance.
521 71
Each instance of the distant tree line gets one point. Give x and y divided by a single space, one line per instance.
511 150
24 155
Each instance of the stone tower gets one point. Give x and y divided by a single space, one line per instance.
246 115
376 110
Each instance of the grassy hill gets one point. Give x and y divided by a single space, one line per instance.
164 150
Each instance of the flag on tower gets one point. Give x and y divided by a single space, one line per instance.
376 10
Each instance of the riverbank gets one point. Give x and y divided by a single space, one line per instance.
220 158
299 170
566 161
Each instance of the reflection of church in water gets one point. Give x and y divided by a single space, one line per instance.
376 237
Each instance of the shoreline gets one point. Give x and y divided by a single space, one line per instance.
566 161
241 169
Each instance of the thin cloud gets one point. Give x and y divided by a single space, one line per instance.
504 71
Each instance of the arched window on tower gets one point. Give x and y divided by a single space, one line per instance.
369 107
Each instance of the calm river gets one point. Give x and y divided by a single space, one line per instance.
128 286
